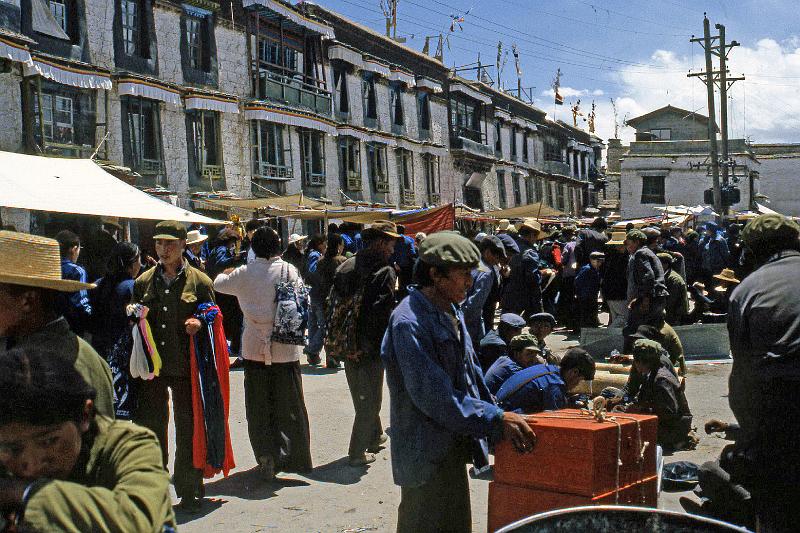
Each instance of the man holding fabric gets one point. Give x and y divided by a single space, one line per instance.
172 290
441 411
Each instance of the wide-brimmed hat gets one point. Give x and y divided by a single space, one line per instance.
294 237
503 224
111 221
195 237
383 227
534 225
33 261
617 238
726 275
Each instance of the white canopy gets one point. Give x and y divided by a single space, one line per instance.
79 186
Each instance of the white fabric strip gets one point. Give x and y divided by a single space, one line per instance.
149 91
290 119
366 136
210 104
378 68
284 11
472 93
531 126
519 122
67 77
502 115
425 83
403 77
15 54
347 55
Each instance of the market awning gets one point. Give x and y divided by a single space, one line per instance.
80 186
263 111
291 15
290 202
538 209
223 103
149 88
16 52
73 74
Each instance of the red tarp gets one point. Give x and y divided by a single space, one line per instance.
432 220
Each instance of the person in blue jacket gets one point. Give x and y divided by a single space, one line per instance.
441 411
494 344
75 306
587 289
484 276
545 387
523 352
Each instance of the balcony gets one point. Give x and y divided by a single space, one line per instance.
290 87
352 182
407 198
434 198
555 167
382 185
271 171
213 172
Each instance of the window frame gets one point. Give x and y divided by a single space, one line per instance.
424 114
498 138
432 172
660 136
658 197
404 159
274 147
529 198
513 144
396 108
142 107
312 138
501 188
369 97
349 152
340 90
198 138
377 166
525 154
516 188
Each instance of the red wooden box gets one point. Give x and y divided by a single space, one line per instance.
508 503
575 454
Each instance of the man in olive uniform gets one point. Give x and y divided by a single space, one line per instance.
172 290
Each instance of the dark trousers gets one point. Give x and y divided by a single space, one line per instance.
152 412
567 315
654 316
232 320
441 504
277 420
728 501
365 381
588 312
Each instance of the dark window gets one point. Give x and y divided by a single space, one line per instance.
63 119
350 163
312 155
424 114
513 143
142 124
267 150
197 42
552 150
405 173
560 197
653 189
539 190
501 189
340 86
515 181
60 11
525 146
661 134
376 165
529 190
132 25
204 135
370 98
498 140
431 166
473 197
549 192
396 97
465 117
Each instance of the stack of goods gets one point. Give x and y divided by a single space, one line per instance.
578 460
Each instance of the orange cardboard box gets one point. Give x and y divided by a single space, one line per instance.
575 454
508 503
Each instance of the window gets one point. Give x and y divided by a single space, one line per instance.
132 27
206 146
405 172
560 197
653 189
370 99
529 190
513 143
537 183
197 35
60 12
661 134
525 146
268 156
376 165
549 192
473 197
431 167
498 140
465 118
396 97
143 126
342 101
552 150
312 155
501 189
350 163
57 118
62 119
517 189
424 114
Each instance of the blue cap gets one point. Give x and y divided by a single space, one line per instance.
543 317
510 319
509 243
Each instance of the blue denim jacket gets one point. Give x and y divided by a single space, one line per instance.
75 306
482 281
438 395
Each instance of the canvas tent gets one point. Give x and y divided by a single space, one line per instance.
537 210
80 186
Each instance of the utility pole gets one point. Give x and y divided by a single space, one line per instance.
712 121
724 84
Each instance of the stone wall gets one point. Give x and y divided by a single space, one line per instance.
779 178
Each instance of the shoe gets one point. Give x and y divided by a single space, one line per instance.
267 466
330 362
190 504
313 359
378 445
364 460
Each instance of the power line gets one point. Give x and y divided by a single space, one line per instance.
596 7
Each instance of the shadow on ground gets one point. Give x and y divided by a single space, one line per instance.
249 485
309 370
209 506
338 472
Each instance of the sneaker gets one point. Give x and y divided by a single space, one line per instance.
363 460
190 504
267 466
379 444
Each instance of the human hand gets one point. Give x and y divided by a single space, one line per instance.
517 430
150 261
192 326
715 426
633 303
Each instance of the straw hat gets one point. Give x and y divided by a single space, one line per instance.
294 237
535 225
195 237
33 261
727 275
503 224
617 238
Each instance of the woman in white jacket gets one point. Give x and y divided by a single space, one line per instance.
277 420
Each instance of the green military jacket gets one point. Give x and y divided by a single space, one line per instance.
56 337
170 306
119 484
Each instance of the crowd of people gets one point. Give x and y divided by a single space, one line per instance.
457 325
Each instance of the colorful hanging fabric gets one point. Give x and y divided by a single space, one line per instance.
118 362
145 361
209 366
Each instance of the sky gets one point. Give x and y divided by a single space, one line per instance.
636 52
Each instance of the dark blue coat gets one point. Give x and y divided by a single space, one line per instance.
499 372
545 392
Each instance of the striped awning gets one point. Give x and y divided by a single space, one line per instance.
366 136
402 76
149 89
67 74
373 65
472 93
348 55
427 83
292 15
502 114
211 102
18 53
288 117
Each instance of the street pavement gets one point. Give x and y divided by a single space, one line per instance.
338 498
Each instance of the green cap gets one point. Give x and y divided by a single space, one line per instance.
636 235
647 350
769 231
448 248
523 341
170 230
665 257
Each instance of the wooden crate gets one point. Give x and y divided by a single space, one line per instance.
578 455
509 503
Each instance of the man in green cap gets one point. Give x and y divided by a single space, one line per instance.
764 330
172 290
677 303
441 410
647 292
523 351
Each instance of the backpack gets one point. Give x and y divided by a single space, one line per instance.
291 314
341 317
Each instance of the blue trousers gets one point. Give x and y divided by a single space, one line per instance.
316 328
